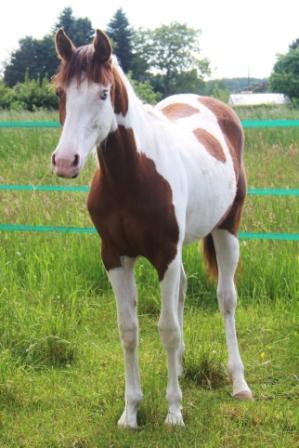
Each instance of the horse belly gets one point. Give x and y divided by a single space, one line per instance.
211 194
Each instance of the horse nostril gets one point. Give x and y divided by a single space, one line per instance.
76 160
53 160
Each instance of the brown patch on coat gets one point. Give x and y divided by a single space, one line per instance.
211 144
130 204
231 220
62 104
84 64
231 128
179 110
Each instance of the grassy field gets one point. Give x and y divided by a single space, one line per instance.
61 367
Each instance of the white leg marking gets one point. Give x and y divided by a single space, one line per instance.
227 253
170 333
181 302
124 287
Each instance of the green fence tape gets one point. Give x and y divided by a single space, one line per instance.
85 188
270 123
269 236
245 123
273 191
29 124
66 188
31 228
92 230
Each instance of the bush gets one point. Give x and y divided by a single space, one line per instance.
29 95
35 94
6 96
145 91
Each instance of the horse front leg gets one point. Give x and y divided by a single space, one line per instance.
124 287
171 337
181 302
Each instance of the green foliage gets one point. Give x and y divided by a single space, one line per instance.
170 54
206 369
184 82
285 75
35 94
6 96
30 95
237 85
145 91
119 31
36 58
217 89
294 44
79 30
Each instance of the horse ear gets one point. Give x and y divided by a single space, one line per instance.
64 45
102 47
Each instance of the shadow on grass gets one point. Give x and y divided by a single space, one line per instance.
206 371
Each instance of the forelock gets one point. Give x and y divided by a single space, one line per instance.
82 65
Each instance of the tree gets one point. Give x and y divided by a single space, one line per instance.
294 45
285 75
171 55
120 33
36 58
79 30
218 89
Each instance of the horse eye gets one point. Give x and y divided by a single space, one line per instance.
59 93
104 94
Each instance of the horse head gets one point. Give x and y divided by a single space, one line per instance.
91 93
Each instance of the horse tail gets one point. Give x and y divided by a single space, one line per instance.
210 255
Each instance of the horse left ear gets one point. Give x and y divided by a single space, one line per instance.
102 47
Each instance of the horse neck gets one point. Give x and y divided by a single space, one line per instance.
119 155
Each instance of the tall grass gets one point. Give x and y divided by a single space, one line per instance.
61 369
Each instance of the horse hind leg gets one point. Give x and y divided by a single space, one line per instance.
227 254
222 254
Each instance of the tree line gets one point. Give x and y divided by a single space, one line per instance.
159 62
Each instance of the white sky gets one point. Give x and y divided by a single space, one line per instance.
237 36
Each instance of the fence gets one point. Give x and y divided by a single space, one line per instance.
84 188
246 124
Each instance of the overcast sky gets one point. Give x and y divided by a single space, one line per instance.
237 36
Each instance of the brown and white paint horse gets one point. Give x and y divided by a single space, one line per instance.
167 176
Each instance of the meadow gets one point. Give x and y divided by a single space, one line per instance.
61 366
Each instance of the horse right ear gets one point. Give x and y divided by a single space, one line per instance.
64 45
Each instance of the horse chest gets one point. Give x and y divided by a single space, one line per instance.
139 224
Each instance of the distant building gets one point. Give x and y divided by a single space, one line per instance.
257 99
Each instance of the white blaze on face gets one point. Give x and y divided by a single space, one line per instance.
89 119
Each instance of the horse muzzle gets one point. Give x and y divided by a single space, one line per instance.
66 167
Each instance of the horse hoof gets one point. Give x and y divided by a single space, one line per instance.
244 395
126 422
174 419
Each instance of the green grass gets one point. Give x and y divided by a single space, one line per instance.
61 368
